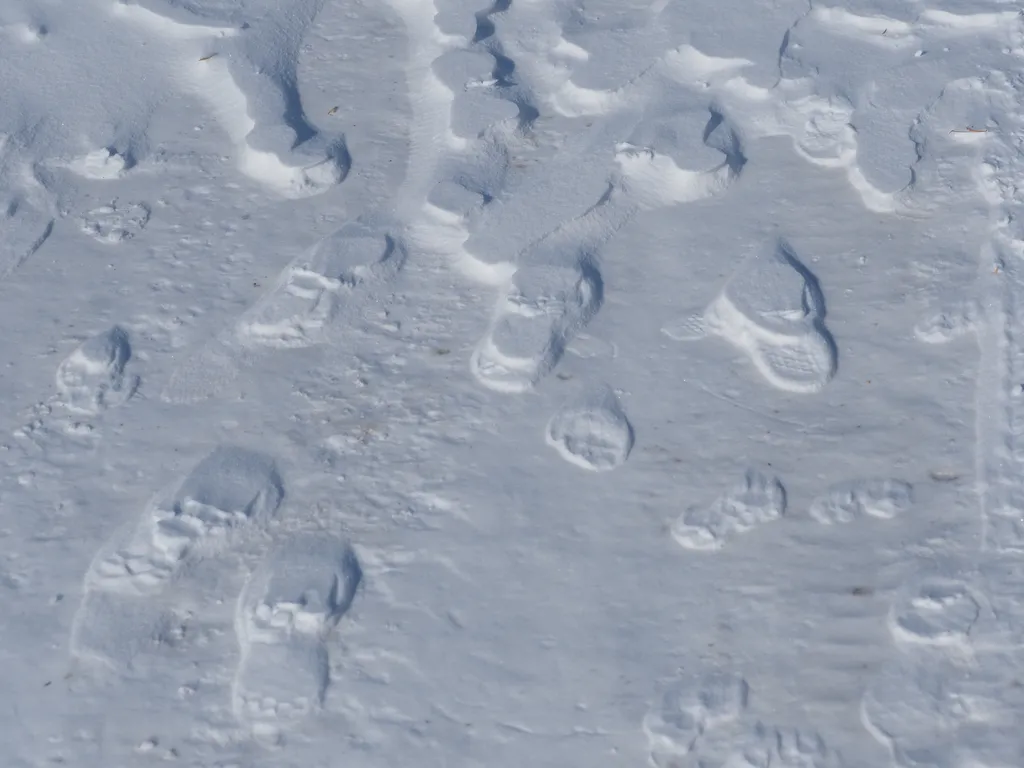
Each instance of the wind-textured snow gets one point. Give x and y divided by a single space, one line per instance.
512 383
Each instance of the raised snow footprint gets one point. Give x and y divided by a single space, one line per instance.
773 310
592 431
92 378
934 611
283 617
231 488
882 498
949 323
690 707
679 156
758 499
298 309
542 308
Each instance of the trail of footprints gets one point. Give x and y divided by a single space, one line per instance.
951 695
760 498
951 638
553 288
702 720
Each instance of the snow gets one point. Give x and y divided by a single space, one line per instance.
544 382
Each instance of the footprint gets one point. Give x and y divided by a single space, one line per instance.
461 19
298 309
23 230
283 618
759 499
63 428
818 123
794 748
655 165
915 708
542 309
229 490
476 111
689 708
934 611
950 323
882 498
470 77
92 378
592 431
454 202
764 747
231 487
774 311
116 223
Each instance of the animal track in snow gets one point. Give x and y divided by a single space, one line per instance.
690 707
542 308
794 748
758 499
949 323
116 222
228 490
774 311
92 378
764 747
882 498
934 611
298 309
592 431
700 721
23 230
283 617
1004 529
930 707
916 707
250 85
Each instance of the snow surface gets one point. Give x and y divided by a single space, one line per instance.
536 383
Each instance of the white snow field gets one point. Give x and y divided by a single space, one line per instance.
485 383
